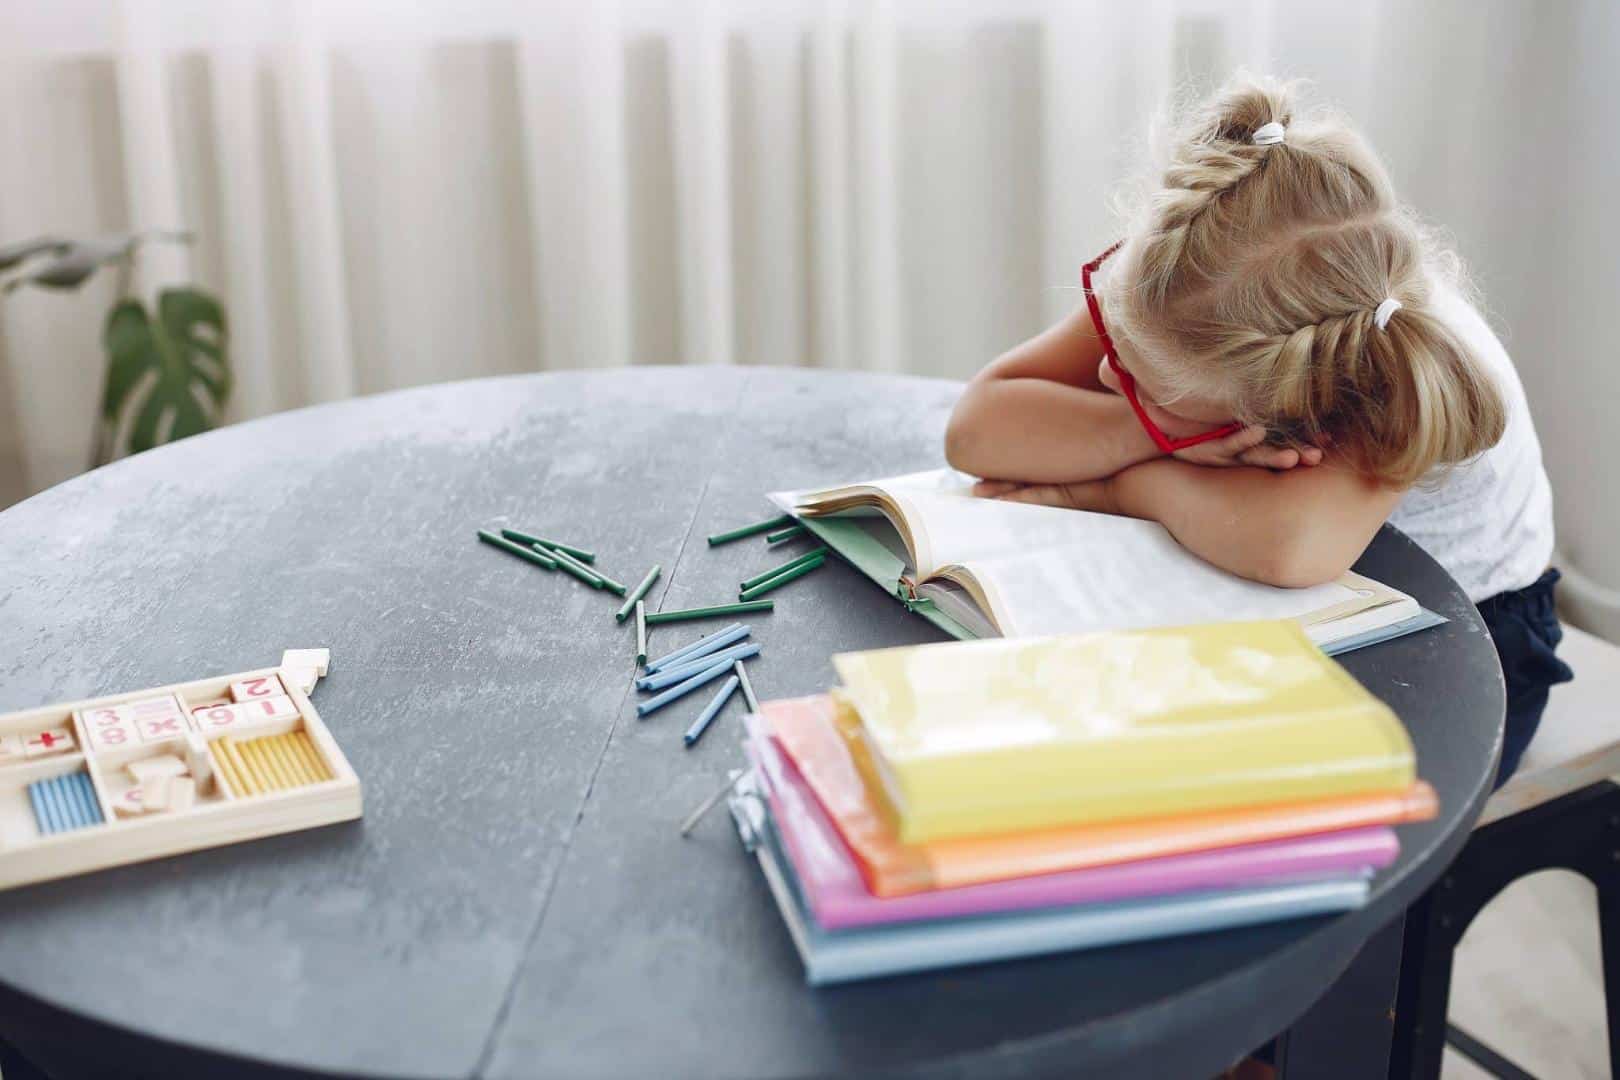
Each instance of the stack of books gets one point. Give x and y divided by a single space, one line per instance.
969 802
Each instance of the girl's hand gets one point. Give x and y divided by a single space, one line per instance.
1247 447
1095 495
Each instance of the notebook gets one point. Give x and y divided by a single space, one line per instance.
980 568
836 956
838 898
1003 735
805 730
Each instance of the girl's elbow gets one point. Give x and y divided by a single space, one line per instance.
964 436
1297 564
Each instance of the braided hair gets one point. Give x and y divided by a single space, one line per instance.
1254 275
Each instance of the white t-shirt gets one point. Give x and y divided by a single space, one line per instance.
1488 521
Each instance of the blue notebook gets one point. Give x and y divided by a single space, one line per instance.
980 568
839 956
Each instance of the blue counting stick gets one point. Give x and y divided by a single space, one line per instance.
70 797
86 792
710 711
672 675
41 815
58 805
682 689
96 816
717 640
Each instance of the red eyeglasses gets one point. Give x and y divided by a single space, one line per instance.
1127 381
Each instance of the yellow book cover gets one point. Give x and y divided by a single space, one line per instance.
1003 735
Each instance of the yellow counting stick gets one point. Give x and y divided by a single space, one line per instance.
268 765
288 749
228 780
288 777
276 746
306 746
248 762
242 781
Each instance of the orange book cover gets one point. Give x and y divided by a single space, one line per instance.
836 763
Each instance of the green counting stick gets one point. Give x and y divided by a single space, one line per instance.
615 587
517 549
573 566
637 593
751 530
641 632
710 711
551 545
784 534
782 579
708 643
709 612
773 571
747 687
679 690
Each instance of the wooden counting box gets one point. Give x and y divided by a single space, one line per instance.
138 776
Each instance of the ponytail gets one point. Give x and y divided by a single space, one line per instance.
1424 401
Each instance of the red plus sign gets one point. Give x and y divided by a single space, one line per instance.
45 739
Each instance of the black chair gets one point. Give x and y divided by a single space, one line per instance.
1559 811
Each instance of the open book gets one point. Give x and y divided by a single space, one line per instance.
984 568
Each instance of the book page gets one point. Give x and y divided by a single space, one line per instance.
1129 575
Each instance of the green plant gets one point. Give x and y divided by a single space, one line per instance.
166 377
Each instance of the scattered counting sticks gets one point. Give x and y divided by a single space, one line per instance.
751 530
783 578
680 690
789 565
711 710
785 534
641 631
709 612
539 541
726 635
534 555
637 593
554 556
672 675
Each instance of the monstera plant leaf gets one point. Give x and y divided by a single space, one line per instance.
168 377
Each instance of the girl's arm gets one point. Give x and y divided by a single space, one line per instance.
1038 413
1296 528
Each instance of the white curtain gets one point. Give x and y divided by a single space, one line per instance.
388 194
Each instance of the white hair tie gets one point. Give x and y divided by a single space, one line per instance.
1268 134
1385 310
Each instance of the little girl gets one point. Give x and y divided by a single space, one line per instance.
1274 361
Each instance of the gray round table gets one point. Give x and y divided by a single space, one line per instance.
516 900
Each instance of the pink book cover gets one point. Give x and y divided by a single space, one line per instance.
839 899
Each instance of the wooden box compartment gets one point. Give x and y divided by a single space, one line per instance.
259 764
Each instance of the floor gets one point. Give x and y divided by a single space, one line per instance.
1528 981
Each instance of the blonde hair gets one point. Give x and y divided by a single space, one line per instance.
1252 275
